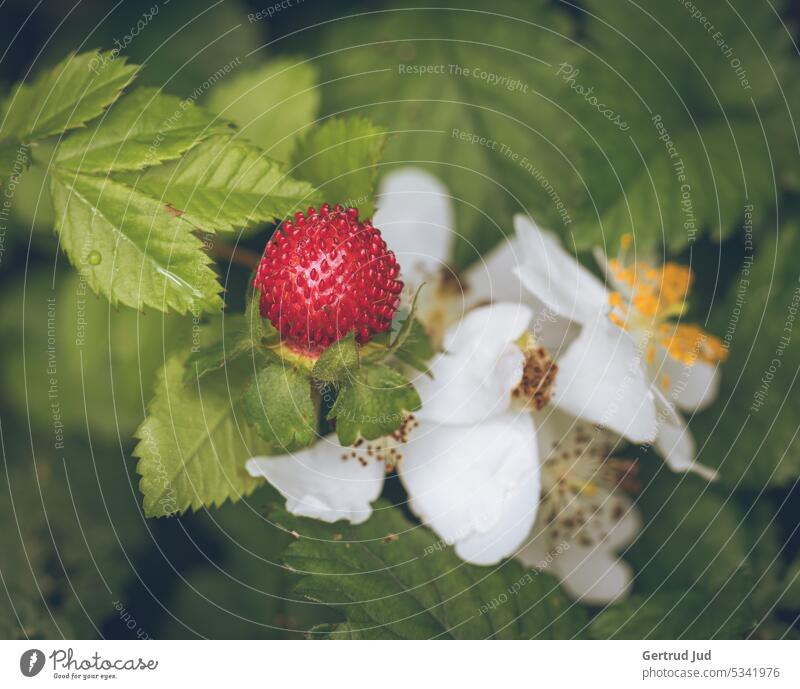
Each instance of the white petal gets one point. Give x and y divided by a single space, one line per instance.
415 217
601 379
318 483
676 445
505 537
469 389
594 576
555 277
690 387
475 486
493 278
473 379
488 329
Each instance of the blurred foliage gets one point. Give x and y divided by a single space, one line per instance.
586 122
103 359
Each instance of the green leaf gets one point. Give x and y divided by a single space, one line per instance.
697 613
338 361
226 183
129 247
373 402
193 444
278 402
390 578
247 598
752 430
340 157
272 103
66 96
141 129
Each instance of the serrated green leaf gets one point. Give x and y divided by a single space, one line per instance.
278 402
272 103
194 442
390 578
129 247
143 128
753 438
226 183
66 96
373 402
340 157
338 361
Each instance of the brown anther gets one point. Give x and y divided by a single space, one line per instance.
538 377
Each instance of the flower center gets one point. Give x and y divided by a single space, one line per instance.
648 301
538 375
580 482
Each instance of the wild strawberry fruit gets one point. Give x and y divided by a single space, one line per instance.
325 274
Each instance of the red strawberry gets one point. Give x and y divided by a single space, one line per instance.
325 274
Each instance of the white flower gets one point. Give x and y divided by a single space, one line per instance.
584 517
630 365
618 368
468 459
